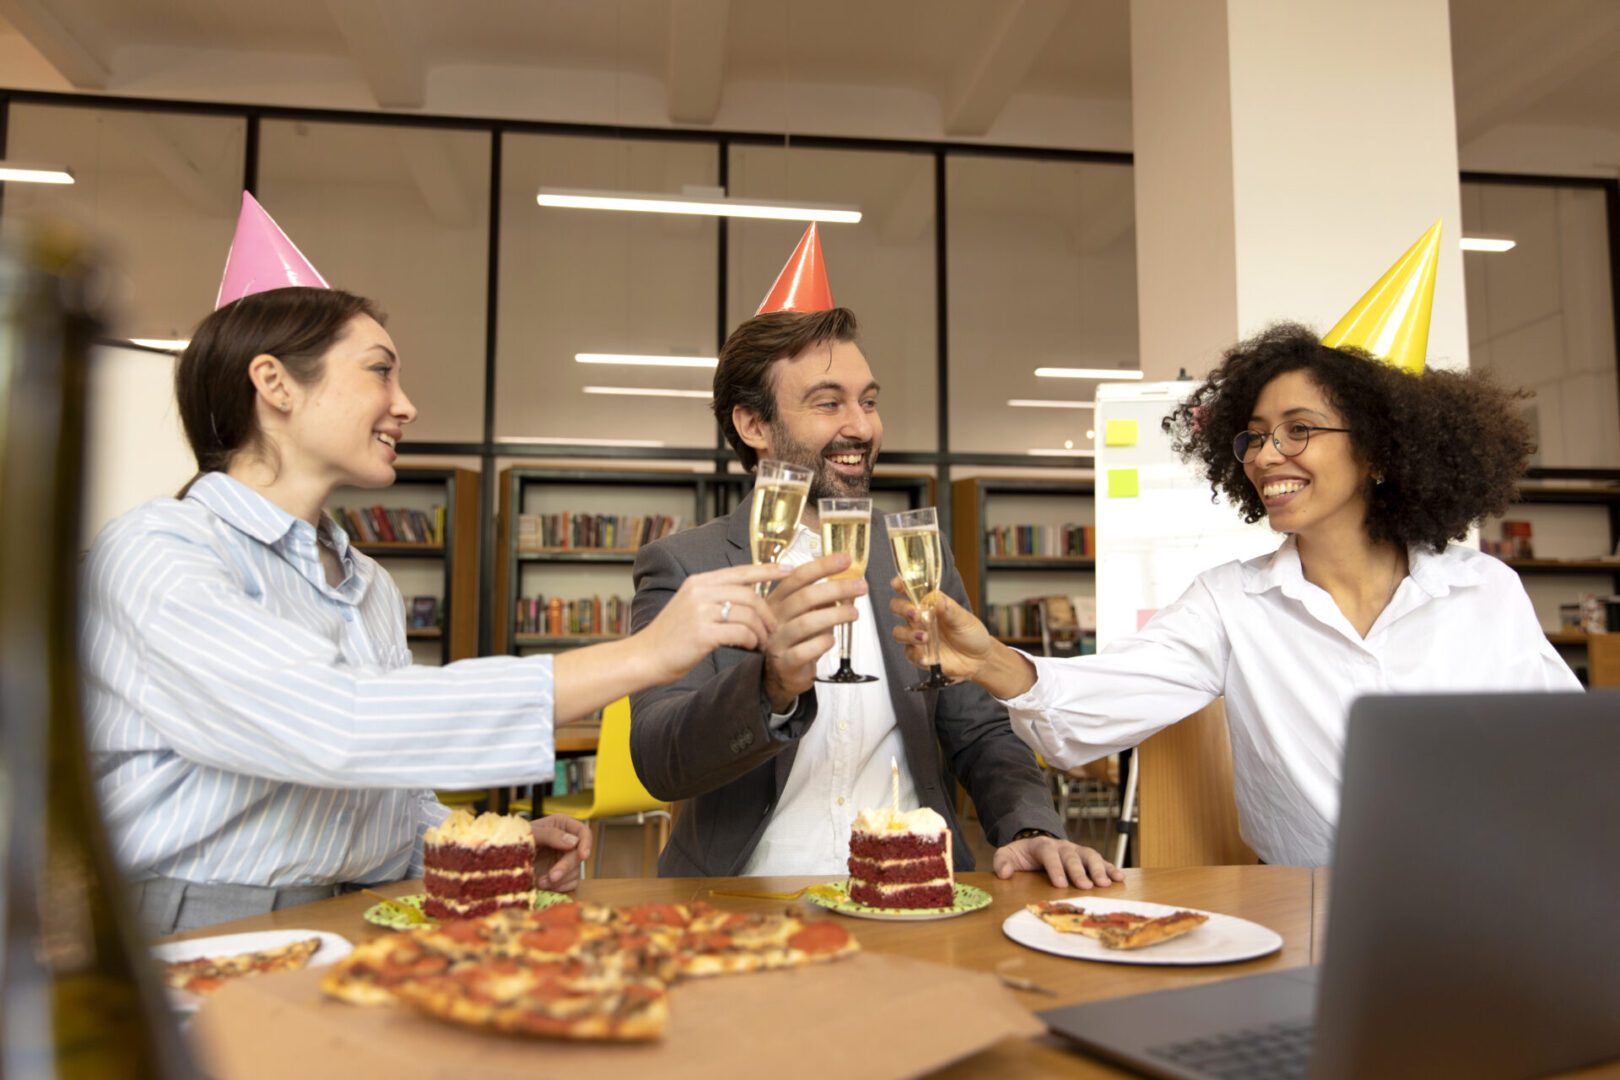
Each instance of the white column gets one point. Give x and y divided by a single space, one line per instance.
1287 152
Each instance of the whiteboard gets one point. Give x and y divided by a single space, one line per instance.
135 448
1157 528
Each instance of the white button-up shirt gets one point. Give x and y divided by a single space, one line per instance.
1290 664
842 763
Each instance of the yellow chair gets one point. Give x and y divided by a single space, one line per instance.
618 797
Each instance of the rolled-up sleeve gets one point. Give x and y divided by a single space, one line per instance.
1086 707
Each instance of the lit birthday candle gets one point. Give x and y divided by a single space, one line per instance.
894 782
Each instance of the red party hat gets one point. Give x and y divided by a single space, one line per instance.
802 284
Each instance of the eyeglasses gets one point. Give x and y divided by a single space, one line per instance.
1289 437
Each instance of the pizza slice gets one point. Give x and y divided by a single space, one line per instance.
206 974
1117 929
571 999
733 944
370 974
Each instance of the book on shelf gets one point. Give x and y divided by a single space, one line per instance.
424 612
589 616
616 532
574 774
1515 542
1069 616
1041 541
380 525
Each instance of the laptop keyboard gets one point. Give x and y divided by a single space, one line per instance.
1273 1052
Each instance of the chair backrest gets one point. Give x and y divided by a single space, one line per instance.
618 790
1603 659
1187 812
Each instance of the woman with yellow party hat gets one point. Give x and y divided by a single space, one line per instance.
1372 467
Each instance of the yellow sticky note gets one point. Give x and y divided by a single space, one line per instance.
1122 483
1120 433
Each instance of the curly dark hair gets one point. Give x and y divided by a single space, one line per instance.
1450 446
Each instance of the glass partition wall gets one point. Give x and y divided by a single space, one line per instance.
971 267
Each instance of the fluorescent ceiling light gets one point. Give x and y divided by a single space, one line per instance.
167 344
1042 403
709 205
547 440
1059 452
646 361
1088 373
28 173
1487 243
648 391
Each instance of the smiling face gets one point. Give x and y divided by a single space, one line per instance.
344 427
826 419
1324 487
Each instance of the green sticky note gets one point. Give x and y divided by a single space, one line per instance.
1120 433
1122 483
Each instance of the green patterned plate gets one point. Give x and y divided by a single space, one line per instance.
395 919
836 898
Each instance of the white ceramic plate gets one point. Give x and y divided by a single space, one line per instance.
1222 940
333 948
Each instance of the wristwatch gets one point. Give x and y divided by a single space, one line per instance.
1025 834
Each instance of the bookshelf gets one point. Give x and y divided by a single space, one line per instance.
1572 521
582 572
448 570
981 503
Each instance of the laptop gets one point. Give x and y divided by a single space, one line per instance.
1474 929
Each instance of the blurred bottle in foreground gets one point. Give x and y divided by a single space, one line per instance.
78 996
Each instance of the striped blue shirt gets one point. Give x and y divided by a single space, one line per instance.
250 724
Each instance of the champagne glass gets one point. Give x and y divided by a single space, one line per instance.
846 526
780 490
921 561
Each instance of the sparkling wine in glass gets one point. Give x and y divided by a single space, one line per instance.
920 560
846 526
780 491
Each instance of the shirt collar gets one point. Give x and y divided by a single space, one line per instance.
254 515
1436 573
243 508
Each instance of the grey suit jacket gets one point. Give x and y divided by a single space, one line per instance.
706 740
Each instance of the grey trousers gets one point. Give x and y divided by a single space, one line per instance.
169 905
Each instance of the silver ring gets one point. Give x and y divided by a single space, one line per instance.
725 611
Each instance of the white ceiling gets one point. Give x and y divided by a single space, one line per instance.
934 68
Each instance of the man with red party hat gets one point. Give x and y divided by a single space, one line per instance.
773 766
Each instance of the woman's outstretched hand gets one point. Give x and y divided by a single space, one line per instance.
965 645
710 610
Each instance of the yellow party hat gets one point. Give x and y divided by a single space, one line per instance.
1392 321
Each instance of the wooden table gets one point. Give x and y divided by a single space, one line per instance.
1278 897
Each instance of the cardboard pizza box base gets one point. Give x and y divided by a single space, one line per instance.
869 1016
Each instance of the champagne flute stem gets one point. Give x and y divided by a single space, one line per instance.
844 644
931 653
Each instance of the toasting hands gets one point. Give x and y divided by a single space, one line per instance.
806 608
708 611
966 649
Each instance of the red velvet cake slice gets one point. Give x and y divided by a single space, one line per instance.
473 866
901 860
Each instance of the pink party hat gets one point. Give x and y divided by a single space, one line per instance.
802 284
262 258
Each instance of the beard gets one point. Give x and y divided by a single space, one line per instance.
825 481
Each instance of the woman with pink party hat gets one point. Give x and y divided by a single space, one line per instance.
1372 468
258 732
